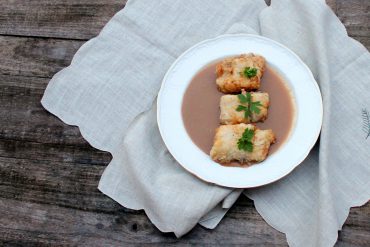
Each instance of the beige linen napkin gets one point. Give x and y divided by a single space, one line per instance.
312 203
110 88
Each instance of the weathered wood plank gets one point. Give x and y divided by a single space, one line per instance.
68 19
27 222
332 4
67 184
34 56
45 57
53 153
356 230
44 224
83 19
24 118
32 223
355 15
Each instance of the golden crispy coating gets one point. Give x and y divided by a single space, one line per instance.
225 147
229 114
230 77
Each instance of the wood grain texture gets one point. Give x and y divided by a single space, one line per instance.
24 118
332 4
67 19
49 173
69 227
35 57
355 15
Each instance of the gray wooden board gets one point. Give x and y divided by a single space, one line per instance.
49 173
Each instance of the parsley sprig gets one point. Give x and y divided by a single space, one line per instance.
245 142
249 72
247 105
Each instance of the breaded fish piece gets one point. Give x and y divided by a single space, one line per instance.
231 77
229 103
225 146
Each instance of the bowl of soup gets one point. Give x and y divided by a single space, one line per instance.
239 110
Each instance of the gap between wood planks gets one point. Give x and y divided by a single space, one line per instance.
85 19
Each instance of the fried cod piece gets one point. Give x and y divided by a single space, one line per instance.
226 147
230 115
241 72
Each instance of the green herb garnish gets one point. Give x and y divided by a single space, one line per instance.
248 106
250 72
245 142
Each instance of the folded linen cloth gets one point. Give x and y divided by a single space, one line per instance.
109 91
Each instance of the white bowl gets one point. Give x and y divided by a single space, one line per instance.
308 114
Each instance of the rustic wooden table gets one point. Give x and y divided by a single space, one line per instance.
49 174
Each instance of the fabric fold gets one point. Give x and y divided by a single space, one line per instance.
311 204
108 92
173 199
